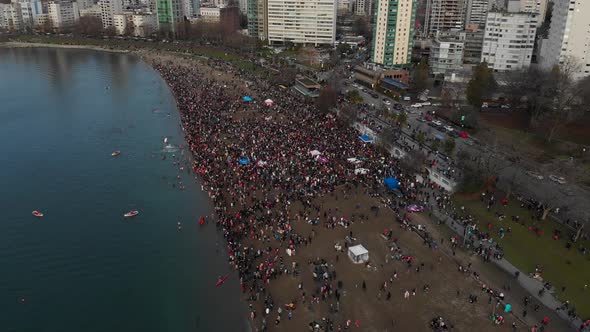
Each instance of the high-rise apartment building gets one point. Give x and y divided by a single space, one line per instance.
10 17
170 13
257 14
108 9
509 40
63 13
569 37
444 15
529 6
364 8
29 11
476 13
301 22
393 32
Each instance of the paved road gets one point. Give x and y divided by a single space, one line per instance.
570 198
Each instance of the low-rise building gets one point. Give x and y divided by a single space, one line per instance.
139 24
377 76
446 53
307 87
509 40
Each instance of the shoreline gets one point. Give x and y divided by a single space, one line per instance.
14 44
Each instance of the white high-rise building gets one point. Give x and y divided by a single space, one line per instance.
29 11
10 17
108 10
301 22
63 13
476 13
529 6
569 37
509 39
446 54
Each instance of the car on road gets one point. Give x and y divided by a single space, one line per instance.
407 98
387 102
374 95
432 124
421 120
436 122
534 175
448 128
416 105
428 118
426 103
557 179
398 107
465 135
453 134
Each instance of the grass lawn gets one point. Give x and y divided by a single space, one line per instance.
526 250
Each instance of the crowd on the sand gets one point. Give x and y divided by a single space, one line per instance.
255 160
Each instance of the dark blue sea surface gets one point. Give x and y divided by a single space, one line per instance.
83 267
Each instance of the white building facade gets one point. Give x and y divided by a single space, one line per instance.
363 7
509 39
301 22
476 12
10 17
569 37
29 11
63 14
446 54
529 6
108 9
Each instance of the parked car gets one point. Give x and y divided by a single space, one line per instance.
557 179
407 98
465 135
426 103
534 175
428 118
436 122
448 128
398 106
416 105
421 120
432 124
453 134
374 95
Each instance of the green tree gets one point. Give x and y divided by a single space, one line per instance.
449 146
402 119
327 99
354 97
421 138
481 86
420 75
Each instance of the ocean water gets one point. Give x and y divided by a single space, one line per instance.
83 267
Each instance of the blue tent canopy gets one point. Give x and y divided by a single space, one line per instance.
366 138
247 98
244 161
391 183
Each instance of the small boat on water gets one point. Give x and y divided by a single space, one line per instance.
165 140
221 280
37 214
132 213
116 153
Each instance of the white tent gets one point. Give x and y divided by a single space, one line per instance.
361 171
358 254
315 153
268 102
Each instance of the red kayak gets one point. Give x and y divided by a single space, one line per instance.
221 280
202 221
131 214
37 214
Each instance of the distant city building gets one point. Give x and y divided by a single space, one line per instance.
309 22
446 53
445 15
344 7
10 17
393 32
476 12
364 8
63 14
569 37
230 19
257 16
509 40
473 46
108 10
140 23
529 6
243 5
29 12
170 14
191 8
94 11
210 14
